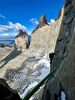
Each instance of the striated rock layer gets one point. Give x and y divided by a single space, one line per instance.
64 78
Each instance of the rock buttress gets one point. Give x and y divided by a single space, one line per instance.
64 53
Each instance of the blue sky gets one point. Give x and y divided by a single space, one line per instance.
25 14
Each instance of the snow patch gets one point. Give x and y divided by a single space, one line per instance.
43 62
44 73
28 88
63 95
32 98
44 70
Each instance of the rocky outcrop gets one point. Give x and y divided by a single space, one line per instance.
21 40
21 33
4 51
22 70
6 93
42 22
65 56
45 37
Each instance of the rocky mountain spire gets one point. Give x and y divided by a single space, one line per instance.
21 40
21 33
42 22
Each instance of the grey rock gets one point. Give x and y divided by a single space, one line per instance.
67 9
65 55
69 17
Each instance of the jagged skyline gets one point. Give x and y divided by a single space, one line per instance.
25 14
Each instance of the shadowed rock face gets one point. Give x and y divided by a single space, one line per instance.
6 93
42 22
64 53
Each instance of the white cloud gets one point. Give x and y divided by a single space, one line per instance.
6 34
12 26
16 26
2 29
34 21
2 16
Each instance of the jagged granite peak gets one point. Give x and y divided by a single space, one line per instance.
21 32
42 22
21 40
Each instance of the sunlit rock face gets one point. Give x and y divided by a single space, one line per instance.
42 22
45 37
23 70
65 56
21 39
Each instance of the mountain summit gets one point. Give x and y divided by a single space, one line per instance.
21 33
42 22
21 39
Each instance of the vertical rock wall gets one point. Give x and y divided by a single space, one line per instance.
64 78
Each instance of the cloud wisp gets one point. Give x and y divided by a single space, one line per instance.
12 26
34 21
2 16
7 35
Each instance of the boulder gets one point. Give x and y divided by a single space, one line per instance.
6 93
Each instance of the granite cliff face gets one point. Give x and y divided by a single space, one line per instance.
44 38
65 56
23 70
21 40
